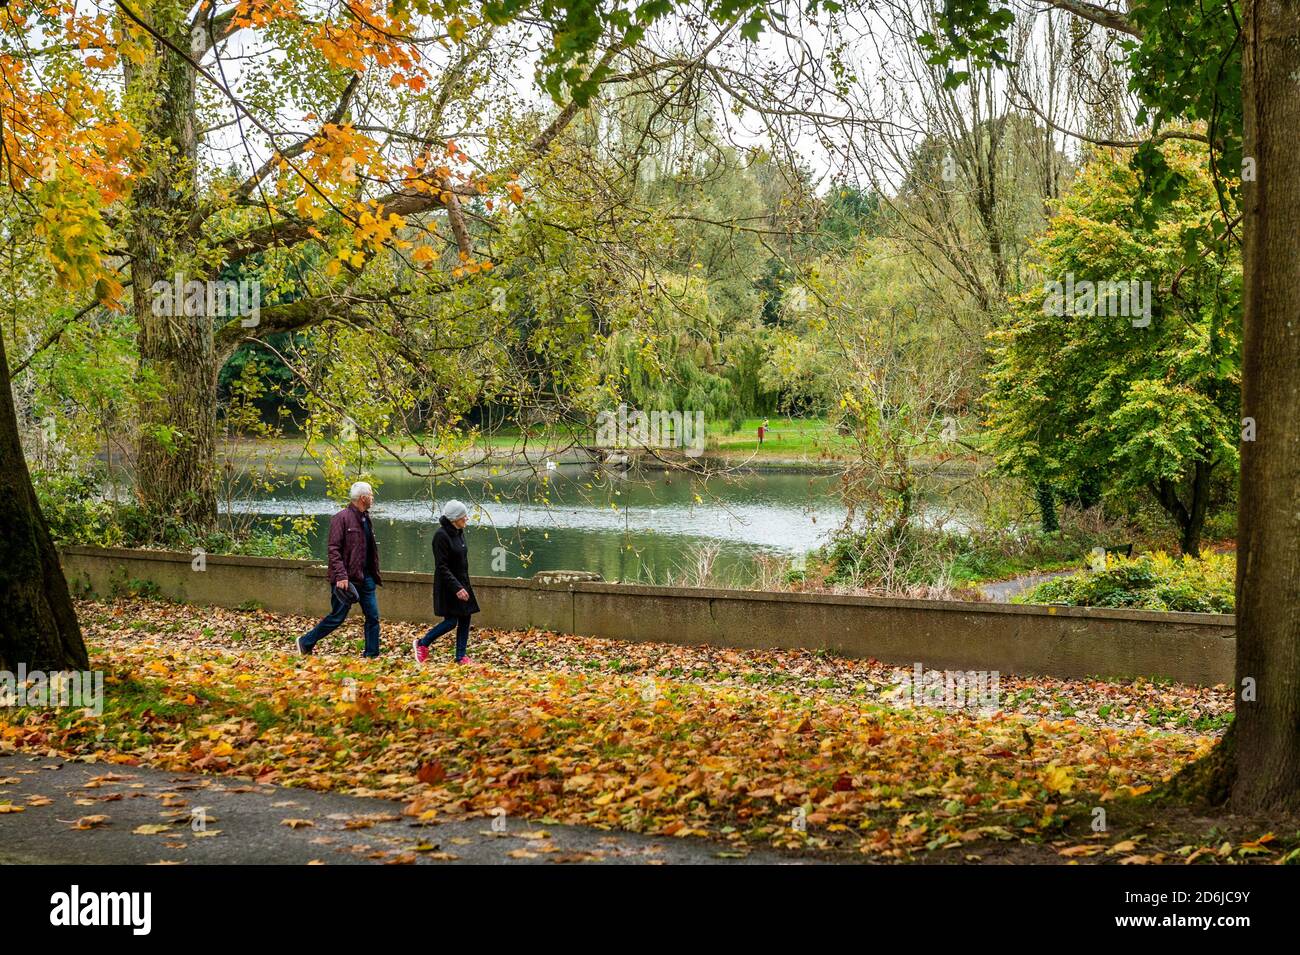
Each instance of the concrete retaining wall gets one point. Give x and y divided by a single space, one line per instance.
1050 641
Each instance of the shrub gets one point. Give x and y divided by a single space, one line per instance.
1147 582
278 538
76 511
938 557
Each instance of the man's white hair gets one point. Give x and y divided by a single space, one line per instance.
360 489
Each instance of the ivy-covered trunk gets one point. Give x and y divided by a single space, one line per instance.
176 446
1047 518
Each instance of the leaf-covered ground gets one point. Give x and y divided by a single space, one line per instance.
778 748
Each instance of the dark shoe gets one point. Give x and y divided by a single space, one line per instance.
302 651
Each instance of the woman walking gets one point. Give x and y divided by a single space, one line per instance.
453 597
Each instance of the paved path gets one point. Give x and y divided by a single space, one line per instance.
1002 591
245 824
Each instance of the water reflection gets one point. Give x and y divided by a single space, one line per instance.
640 526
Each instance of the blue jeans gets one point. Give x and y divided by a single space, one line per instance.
339 612
462 634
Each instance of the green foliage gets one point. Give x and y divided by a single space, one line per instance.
124 586
665 355
861 326
1187 67
576 26
860 344
1147 582
276 538
971 31
848 212
76 511
1092 398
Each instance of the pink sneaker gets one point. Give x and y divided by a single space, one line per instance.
421 653
465 662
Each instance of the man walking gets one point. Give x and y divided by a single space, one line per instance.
353 571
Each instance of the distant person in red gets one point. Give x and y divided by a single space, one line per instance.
762 430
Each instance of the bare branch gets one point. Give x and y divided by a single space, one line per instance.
1094 13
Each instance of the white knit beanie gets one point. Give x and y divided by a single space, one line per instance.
454 510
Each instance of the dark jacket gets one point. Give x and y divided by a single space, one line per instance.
347 548
451 571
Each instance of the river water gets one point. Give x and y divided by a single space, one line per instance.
644 526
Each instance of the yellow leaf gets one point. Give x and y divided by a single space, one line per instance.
151 829
1073 851
1057 779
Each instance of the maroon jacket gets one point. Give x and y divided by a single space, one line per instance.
347 548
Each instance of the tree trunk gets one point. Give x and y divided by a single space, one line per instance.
1265 754
1191 542
38 627
1047 519
175 461
1190 518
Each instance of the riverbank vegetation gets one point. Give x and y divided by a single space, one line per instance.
1149 582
